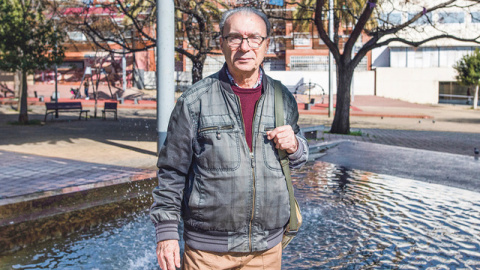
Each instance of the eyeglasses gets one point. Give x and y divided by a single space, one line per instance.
235 41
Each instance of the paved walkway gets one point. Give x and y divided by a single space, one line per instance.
67 153
441 141
24 174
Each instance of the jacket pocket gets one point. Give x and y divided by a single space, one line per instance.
195 201
270 153
218 148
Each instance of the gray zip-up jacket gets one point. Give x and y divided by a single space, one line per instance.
230 199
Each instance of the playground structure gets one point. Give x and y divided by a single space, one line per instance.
310 89
93 74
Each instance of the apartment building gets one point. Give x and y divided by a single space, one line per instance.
425 74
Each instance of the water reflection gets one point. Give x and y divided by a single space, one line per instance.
358 220
352 220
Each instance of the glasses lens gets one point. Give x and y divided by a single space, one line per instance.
234 41
255 41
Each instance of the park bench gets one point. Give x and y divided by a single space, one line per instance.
109 107
310 133
51 107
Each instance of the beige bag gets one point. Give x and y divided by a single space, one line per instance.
289 235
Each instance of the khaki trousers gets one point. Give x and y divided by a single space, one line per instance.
194 259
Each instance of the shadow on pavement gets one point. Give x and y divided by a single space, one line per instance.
464 120
133 127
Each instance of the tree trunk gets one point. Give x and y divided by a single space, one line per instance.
23 116
95 95
475 98
197 69
341 120
17 81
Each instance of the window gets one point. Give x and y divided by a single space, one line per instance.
418 57
275 2
76 36
301 39
314 62
393 18
71 64
475 17
275 47
451 17
273 64
425 19
454 93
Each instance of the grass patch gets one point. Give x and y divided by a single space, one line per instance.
29 123
356 133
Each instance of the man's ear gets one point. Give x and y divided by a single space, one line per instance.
221 41
267 45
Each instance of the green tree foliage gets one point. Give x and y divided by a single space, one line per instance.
28 42
468 69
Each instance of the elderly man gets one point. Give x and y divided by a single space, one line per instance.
219 168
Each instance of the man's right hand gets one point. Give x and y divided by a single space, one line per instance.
168 254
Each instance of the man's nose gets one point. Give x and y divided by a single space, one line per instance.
244 46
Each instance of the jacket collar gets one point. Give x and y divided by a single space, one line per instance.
225 81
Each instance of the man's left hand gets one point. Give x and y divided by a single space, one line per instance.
284 138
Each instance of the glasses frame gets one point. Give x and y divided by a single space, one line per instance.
244 38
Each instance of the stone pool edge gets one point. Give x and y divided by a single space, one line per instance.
45 215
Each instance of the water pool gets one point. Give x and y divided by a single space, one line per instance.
352 220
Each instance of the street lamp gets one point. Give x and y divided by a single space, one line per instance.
165 67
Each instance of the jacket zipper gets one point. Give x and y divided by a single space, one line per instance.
252 160
253 173
252 163
215 128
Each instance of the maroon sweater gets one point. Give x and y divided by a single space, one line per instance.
248 100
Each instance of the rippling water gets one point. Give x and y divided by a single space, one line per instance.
352 220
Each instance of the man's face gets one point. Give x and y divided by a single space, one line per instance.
244 59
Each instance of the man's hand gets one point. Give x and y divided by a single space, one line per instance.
284 138
168 254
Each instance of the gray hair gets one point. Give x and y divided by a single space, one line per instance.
245 11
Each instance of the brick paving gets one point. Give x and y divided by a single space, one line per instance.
28 174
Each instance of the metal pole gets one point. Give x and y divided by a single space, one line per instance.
330 60
165 67
124 72
56 71
309 91
133 58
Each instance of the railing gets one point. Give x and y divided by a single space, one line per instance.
456 96
456 99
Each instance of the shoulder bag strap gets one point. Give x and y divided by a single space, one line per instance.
279 121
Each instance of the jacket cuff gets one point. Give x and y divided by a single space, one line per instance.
298 154
167 230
